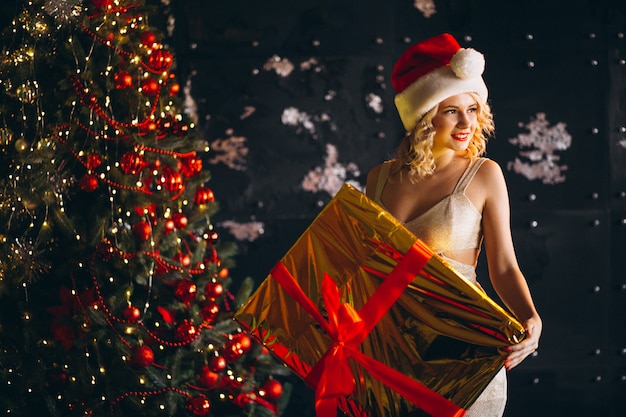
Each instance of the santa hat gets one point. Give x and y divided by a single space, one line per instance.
433 70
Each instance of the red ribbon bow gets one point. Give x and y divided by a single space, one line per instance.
332 375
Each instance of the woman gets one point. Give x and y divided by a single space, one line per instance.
443 191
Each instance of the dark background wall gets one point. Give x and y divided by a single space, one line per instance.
305 86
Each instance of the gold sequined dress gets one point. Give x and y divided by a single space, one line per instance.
454 224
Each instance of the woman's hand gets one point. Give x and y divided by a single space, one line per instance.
520 351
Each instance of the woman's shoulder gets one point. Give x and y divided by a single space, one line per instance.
489 167
374 173
376 169
490 175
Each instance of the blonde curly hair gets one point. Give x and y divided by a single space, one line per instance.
415 150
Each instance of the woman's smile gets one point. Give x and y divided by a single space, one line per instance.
461 137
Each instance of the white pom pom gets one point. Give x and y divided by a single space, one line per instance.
467 63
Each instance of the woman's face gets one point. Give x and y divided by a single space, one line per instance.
455 123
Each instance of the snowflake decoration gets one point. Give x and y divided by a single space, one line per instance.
542 161
303 121
332 175
375 102
427 7
250 231
231 151
311 64
281 66
171 25
293 117
190 107
247 112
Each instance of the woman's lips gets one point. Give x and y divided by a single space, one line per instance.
461 137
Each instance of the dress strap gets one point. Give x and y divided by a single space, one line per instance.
382 179
468 175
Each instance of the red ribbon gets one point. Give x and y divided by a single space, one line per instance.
332 375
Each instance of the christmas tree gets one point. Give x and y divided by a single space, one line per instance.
114 283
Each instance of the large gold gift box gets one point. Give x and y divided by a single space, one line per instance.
432 341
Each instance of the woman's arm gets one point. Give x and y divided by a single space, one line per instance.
506 277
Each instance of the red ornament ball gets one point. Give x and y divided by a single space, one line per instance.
209 311
170 179
131 313
142 231
142 356
199 405
164 126
174 182
169 226
161 60
217 364
149 39
244 341
203 195
223 274
132 163
213 290
94 160
186 331
207 378
271 389
150 87
174 89
190 166
234 348
88 183
180 129
183 259
123 80
185 290
231 353
180 220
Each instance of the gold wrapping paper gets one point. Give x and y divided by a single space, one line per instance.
443 331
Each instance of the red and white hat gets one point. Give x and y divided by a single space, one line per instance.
431 71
